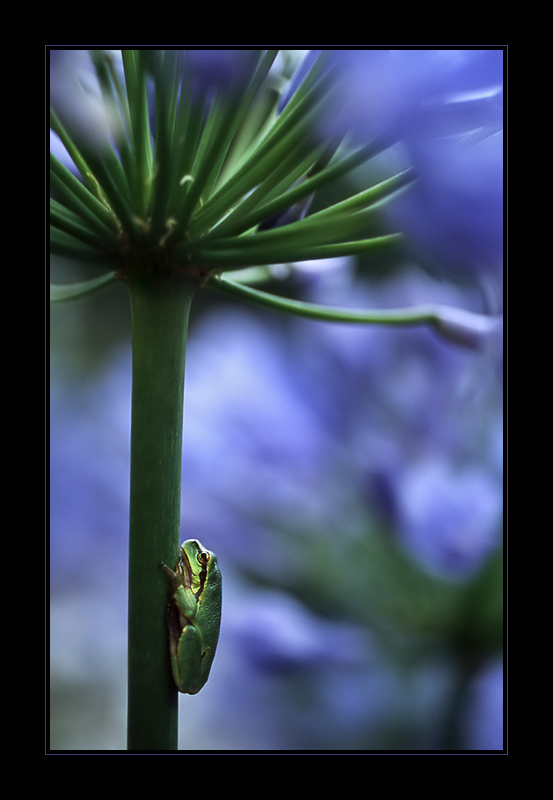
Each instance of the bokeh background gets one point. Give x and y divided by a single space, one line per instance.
349 479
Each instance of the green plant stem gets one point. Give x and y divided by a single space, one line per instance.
160 308
456 324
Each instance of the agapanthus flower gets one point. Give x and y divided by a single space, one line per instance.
442 111
76 97
450 534
201 163
183 156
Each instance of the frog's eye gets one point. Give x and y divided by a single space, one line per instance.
203 557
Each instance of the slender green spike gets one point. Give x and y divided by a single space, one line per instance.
458 325
73 291
73 194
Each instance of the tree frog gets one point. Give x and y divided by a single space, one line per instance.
193 615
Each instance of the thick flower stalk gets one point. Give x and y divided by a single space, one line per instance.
181 170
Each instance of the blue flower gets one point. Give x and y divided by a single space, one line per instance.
278 635
89 462
454 211
89 111
450 518
221 70
484 713
443 112
399 95
76 97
